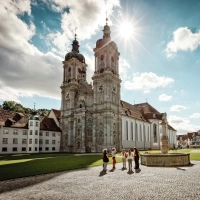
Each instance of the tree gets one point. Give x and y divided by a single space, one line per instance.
9 105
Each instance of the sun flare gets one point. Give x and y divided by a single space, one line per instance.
126 30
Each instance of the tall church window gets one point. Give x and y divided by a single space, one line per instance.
132 131
141 133
102 57
155 132
127 130
136 132
144 132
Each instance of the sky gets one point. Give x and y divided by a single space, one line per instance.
158 41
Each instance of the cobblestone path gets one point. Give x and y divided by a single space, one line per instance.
156 183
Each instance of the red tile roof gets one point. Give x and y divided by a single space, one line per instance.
49 124
13 119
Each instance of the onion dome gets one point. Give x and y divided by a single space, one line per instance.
75 52
34 116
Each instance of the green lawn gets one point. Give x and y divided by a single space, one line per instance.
17 166
23 165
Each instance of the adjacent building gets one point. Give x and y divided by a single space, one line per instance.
22 133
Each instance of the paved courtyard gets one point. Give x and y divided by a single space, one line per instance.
156 183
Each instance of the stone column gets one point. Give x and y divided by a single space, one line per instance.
165 146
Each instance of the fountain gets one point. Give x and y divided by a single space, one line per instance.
164 158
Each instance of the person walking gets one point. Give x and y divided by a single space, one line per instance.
136 158
124 156
113 157
130 160
105 159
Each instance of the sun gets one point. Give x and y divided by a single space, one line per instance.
126 30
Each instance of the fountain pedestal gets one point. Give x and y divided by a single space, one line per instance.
164 158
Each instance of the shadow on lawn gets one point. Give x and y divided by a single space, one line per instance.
39 168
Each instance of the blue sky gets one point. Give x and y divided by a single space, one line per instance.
159 51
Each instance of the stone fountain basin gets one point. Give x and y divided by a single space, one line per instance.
165 160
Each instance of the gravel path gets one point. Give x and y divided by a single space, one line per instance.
173 183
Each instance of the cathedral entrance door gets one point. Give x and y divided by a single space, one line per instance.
88 147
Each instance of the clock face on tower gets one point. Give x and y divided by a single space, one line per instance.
67 96
114 88
101 88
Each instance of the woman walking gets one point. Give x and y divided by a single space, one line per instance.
105 159
124 156
130 160
136 158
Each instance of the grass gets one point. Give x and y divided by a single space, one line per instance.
13 166
24 165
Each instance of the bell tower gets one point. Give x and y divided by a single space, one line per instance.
107 87
74 73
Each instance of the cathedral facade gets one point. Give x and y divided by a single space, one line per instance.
93 116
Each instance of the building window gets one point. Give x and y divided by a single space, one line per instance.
40 133
155 132
136 132
31 132
47 133
36 141
15 132
24 132
31 123
36 132
36 123
79 120
23 141
30 141
53 142
132 131
127 130
144 132
40 148
53 135
15 141
46 141
141 138
35 148
14 149
5 140
40 141
23 148
30 148
4 149
47 149
53 148
5 131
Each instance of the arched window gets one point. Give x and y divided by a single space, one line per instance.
136 132
127 130
155 132
132 131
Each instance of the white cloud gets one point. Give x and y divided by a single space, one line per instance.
87 16
183 40
147 81
123 67
23 67
177 108
195 115
164 97
182 125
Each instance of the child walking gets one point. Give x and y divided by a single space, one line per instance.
130 160
113 157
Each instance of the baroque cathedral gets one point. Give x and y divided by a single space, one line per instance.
93 116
